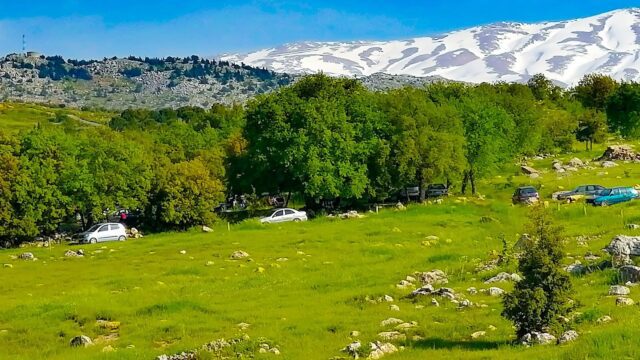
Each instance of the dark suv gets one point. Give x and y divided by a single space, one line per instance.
437 190
525 195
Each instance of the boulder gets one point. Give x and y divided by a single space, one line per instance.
557 165
624 301
432 277
633 226
435 302
576 163
568 336
394 308
577 268
630 273
537 338
472 290
81 341
622 247
527 170
392 336
353 349
26 256
603 320
237 255
406 326
391 321
504 277
618 152
495 291
71 253
619 290
608 164
478 334
379 349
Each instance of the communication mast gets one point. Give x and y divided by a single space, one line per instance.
24 44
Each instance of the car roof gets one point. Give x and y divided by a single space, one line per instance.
526 187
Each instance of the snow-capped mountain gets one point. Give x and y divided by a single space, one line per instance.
564 51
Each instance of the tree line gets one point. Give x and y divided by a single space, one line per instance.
321 138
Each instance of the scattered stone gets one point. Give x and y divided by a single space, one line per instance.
81 341
403 284
568 336
282 259
26 256
576 269
630 273
109 325
622 247
392 336
354 333
388 298
8 266
432 277
406 326
425 290
492 328
435 302
624 301
575 162
591 257
243 326
183 252
400 206
237 255
478 334
537 338
633 226
504 277
391 321
394 308
209 263
618 152
605 319
378 350
527 170
350 215
353 349
608 164
71 253
108 349
495 291
619 290
465 303
207 229
472 290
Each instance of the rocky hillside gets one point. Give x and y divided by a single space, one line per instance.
118 83
563 50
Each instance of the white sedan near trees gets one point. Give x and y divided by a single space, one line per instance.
284 215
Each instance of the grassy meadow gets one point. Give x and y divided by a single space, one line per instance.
177 291
23 116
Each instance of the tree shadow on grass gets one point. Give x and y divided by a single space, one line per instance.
439 343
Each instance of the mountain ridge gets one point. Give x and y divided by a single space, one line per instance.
564 51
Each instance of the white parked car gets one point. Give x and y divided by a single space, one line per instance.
103 232
283 215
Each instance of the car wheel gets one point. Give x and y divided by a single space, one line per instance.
122 238
93 241
604 203
296 220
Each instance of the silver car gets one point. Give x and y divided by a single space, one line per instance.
284 215
103 232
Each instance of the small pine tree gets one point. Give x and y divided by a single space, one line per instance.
542 296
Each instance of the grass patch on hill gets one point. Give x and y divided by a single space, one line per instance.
23 116
308 304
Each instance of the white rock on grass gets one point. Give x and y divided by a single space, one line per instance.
537 338
624 301
495 291
236 255
391 321
504 277
378 350
392 336
81 341
568 336
619 290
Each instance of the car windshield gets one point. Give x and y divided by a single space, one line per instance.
94 228
605 192
438 186
528 191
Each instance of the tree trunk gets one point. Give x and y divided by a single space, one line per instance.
472 179
464 182
286 202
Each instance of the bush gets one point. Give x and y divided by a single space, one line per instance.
542 297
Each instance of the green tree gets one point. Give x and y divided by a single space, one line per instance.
488 131
623 110
592 127
541 298
541 87
594 90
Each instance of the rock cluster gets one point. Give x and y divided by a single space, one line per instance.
619 152
504 277
623 247
537 338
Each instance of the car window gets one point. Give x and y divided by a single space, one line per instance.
615 192
581 189
278 213
590 188
104 228
288 212
114 227
528 191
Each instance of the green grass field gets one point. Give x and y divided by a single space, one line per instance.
22 116
168 302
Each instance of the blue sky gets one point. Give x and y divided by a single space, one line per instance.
94 29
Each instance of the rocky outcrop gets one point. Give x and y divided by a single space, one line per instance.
537 338
619 152
623 247
630 273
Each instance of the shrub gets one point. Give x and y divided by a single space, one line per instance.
542 297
